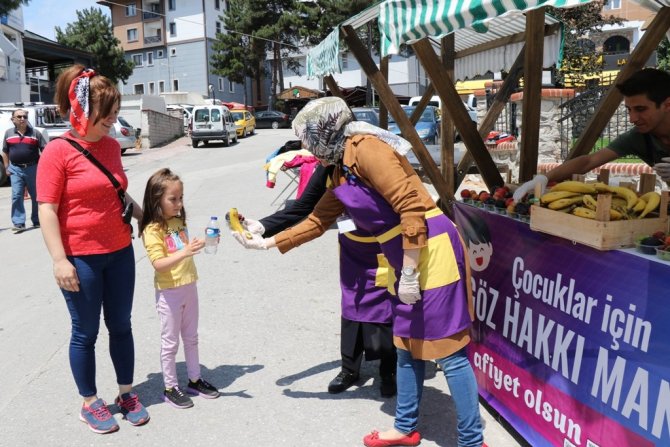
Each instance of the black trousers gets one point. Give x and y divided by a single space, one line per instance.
375 340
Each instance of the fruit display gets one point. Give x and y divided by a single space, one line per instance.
500 201
581 199
658 244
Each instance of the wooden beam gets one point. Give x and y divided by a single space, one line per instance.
423 102
332 86
501 98
609 103
396 111
446 123
383 111
468 130
532 94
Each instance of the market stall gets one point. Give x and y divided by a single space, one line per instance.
570 342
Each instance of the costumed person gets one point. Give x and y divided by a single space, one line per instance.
647 99
81 212
375 187
165 236
366 307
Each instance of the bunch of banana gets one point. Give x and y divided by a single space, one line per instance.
580 199
235 224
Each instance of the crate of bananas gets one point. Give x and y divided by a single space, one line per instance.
599 215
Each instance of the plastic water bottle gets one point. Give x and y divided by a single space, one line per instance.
212 235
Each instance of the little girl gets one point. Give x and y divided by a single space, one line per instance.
165 236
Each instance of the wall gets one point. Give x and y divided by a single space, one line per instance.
160 128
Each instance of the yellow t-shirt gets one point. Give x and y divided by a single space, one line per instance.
160 243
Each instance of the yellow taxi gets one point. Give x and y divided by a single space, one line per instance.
244 121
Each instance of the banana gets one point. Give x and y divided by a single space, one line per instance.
235 223
618 202
555 195
603 187
584 212
640 205
562 203
653 200
575 186
616 215
590 202
628 194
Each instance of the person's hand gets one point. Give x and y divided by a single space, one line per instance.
253 226
408 288
66 275
663 169
256 242
529 187
194 247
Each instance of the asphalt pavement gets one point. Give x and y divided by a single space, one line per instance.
269 331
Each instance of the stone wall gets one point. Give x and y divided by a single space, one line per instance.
160 128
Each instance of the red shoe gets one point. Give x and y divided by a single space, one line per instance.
373 440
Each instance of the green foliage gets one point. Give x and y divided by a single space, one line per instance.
579 60
663 55
7 6
92 32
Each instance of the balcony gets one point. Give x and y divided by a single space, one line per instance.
153 40
151 15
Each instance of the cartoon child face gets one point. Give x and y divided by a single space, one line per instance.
480 255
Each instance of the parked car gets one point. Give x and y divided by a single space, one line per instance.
272 119
186 109
124 134
366 114
212 122
245 122
428 126
437 102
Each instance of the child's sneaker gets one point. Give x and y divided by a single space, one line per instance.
98 417
132 409
202 388
176 398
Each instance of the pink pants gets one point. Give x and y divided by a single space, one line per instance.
178 311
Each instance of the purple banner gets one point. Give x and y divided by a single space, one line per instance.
571 344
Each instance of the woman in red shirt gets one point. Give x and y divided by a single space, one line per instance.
90 244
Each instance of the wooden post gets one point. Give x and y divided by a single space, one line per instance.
603 207
383 111
604 176
388 97
446 123
609 103
647 183
332 86
532 94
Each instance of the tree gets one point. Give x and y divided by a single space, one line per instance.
7 6
93 32
663 55
581 59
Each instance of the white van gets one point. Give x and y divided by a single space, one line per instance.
209 122
437 102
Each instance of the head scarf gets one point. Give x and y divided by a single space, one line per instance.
324 124
79 95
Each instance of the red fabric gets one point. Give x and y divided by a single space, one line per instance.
79 96
307 165
89 209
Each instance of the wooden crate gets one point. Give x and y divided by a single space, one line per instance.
603 235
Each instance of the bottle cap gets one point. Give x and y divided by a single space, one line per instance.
214 218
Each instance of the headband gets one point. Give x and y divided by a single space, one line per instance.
79 101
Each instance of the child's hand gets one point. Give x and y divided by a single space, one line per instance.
194 247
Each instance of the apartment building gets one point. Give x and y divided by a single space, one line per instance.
12 61
170 42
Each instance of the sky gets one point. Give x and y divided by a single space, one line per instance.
42 16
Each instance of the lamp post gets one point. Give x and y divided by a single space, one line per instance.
212 95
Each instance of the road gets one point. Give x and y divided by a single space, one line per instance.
269 331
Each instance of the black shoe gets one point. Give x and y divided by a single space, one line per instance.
388 388
341 382
176 398
202 388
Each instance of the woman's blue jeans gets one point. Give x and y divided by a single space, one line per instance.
463 387
106 282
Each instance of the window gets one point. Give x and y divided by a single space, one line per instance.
131 34
150 58
172 5
231 87
613 4
138 89
173 29
173 51
345 61
130 10
217 4
221 85
161 86
175 85
137 60
218 27
159 54
152 88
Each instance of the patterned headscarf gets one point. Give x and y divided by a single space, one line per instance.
79 95
324 124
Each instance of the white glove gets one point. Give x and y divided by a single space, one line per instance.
408 288
529 187
253 226
256 242
663 169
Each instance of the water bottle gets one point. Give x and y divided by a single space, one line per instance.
212 235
